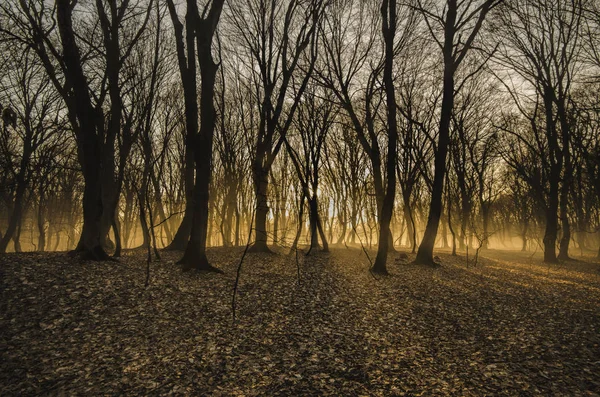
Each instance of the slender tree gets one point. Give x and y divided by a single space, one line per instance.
457 19
279 39
388 13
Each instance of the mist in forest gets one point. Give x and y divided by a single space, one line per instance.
412 126
299 197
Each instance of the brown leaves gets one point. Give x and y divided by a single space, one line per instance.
91 328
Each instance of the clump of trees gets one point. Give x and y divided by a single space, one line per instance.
189 123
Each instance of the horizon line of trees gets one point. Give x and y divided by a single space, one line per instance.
182 124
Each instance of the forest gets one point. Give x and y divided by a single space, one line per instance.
300 197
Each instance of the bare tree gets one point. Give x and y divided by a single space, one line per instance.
200 31
388 27
279 42
88 87
455 20
314 119
542 46
29 119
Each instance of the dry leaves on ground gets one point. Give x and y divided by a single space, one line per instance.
510 326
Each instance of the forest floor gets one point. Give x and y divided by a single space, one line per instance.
320 326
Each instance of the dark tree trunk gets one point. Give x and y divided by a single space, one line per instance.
300 219
261 183
110 195
195 253
485 213
313 214
445 244
425 252
316 226
237 226
89 143
342 219
555 159
563 253
17 236
116 227
185 227
17 211
41 221
388 11
276 215
465 216
159 206
111 184
449 211
127 221
90 239
186 60
231 204
322 234
144 222
551 231
410 225
454 54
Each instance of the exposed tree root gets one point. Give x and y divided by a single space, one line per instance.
96 253
194 259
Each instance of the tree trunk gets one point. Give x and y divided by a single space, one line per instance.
84 119
342 219
14 219
237 226
17 236
425 252
186 60
116 226
90 240
127 224
555 157
231 203
17 210
445 244
449 210
485 211
410 225
276 215
464 222
183 231
313 214
551 232
563 253
261 183
195 253
41 221
388 11
159 206
322 234
300 218
144 222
